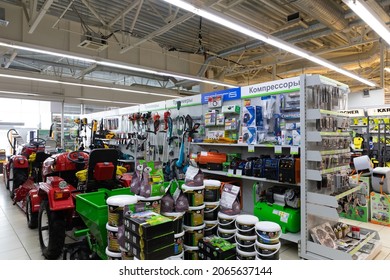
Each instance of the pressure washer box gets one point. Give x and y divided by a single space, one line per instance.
249 116
249 135
216 248
147 245
380 209
148 224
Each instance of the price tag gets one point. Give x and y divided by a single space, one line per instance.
203 154
238 172
278 149
230 172
251 148
294 150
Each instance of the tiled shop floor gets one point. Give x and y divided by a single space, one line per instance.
18 242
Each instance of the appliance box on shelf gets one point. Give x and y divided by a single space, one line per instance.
380 209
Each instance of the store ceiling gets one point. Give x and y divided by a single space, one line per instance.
325 27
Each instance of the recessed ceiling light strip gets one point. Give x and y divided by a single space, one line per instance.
269 39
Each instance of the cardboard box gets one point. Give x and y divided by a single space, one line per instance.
158 254
148 224
380 209
357 206
215 248
147 245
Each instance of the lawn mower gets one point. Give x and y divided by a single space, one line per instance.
67 175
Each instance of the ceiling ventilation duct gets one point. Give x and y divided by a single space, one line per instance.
93 42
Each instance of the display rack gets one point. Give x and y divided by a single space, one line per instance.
324 179
69 131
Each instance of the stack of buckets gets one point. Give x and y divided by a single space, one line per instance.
246 237
267 243
227 227
212 196
193 220
115 220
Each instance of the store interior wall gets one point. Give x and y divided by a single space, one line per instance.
358 100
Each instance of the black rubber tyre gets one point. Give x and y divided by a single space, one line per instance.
32 217
51 227
16 178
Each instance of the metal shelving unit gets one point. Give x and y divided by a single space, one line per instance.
319 204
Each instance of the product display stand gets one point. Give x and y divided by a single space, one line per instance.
324 174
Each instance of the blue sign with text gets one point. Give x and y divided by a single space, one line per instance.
228 94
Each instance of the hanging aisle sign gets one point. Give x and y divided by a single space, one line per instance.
353 113
156 106
271 88
384 111
185 101
228 94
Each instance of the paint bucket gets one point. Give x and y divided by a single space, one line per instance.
267 251
191 252
226 221
268 232
153 202
193 234
245 243
177 218
113 255
115 208
245 256
176 257
227 234
195 195
212 192
194 216
126 255
178 243
211 210
112 238
211 228
245 224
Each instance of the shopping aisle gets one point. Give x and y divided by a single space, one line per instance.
18 242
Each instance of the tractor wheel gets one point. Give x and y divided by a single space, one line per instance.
16 178
32 217
51 227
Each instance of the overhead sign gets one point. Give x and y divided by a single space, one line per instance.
271 88
379 111
193 100
156 106
228 94
353 112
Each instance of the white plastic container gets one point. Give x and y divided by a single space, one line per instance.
245 224
195 195
267 252
211 228
115 208
191 252
177 218
153 202
194 216
212 191
243 255
113 255
176 257
227 234
178 243
226 221
112 238
193 234
245 243
211 211
268 232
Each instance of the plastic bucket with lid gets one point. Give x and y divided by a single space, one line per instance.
211 228
245 243
195 195
243 255
226 221
268 232
112 238
212 192
193 234
227 234
178 257
211 210
191 252
178 243
113 255
245 224
126 255
153 202
194 216
115 206
177 218
267 251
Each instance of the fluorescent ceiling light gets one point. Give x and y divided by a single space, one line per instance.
113 64
365 13
85 85
19 93
105 101
269 39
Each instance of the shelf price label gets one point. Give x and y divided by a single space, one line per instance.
294 150
278 149
251 148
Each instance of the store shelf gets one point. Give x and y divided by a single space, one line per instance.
329 200
317 155
315 114
316 136
292 237
316 175
242 145
322 211
223 173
